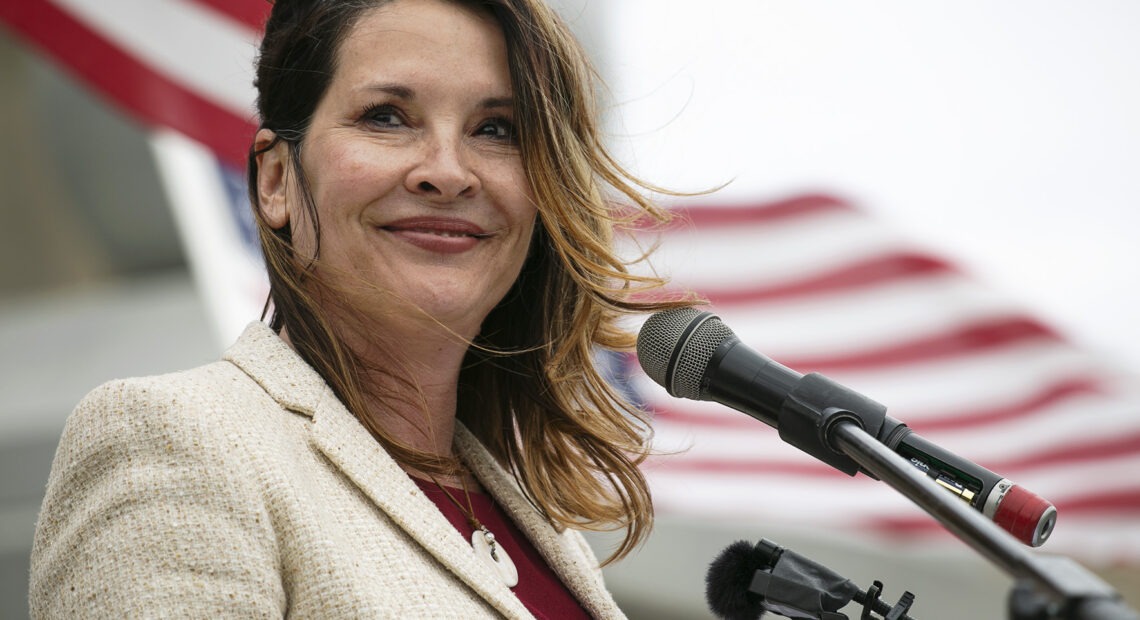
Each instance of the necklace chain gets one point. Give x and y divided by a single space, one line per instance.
469 513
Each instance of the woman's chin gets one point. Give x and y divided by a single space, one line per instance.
446 314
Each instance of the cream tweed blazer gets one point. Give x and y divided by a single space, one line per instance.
245 489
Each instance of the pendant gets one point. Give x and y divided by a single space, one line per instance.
491 552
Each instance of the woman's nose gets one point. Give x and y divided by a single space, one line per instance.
443 171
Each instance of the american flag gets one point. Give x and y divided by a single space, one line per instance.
820 286
812 281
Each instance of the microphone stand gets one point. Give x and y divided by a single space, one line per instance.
1060 587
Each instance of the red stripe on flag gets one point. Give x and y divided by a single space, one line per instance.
251 13
764 213
1079 450
706 217
1050 395
146 93
871 272
1085 451
1099 504
969 339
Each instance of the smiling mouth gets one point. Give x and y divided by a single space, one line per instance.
436 231
438 236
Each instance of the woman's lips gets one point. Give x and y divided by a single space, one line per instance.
444 236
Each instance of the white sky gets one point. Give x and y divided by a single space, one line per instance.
1003 135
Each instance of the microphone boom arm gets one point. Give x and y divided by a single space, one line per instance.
694 355
1074 591
847 438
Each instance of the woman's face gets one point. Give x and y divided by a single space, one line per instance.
413 165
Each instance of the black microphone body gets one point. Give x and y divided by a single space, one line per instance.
694 355
800 407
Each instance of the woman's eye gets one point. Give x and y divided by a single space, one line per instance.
383 115
499 129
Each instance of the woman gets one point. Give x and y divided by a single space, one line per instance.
421 429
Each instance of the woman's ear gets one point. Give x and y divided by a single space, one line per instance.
273 167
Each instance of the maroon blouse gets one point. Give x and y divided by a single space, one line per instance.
539 589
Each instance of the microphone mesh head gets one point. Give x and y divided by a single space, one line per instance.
694 358
659 337
686 336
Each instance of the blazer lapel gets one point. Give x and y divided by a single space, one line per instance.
353 450
570 562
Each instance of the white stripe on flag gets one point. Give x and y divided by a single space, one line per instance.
206 52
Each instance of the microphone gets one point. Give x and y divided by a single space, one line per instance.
746 580
694 355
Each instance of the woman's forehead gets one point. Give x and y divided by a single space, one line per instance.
415 39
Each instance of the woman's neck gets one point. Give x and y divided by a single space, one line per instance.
409 385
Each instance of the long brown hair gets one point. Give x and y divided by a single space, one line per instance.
530 388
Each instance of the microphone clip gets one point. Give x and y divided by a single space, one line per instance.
814 407
871 603
790 585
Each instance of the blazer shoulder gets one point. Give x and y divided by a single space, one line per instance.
217 375
202 392
211 413
144 467
195 412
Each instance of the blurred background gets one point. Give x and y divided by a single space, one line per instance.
989 150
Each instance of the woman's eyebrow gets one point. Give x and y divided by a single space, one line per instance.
497 102
396 90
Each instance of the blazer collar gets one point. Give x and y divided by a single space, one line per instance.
277 368
348 445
